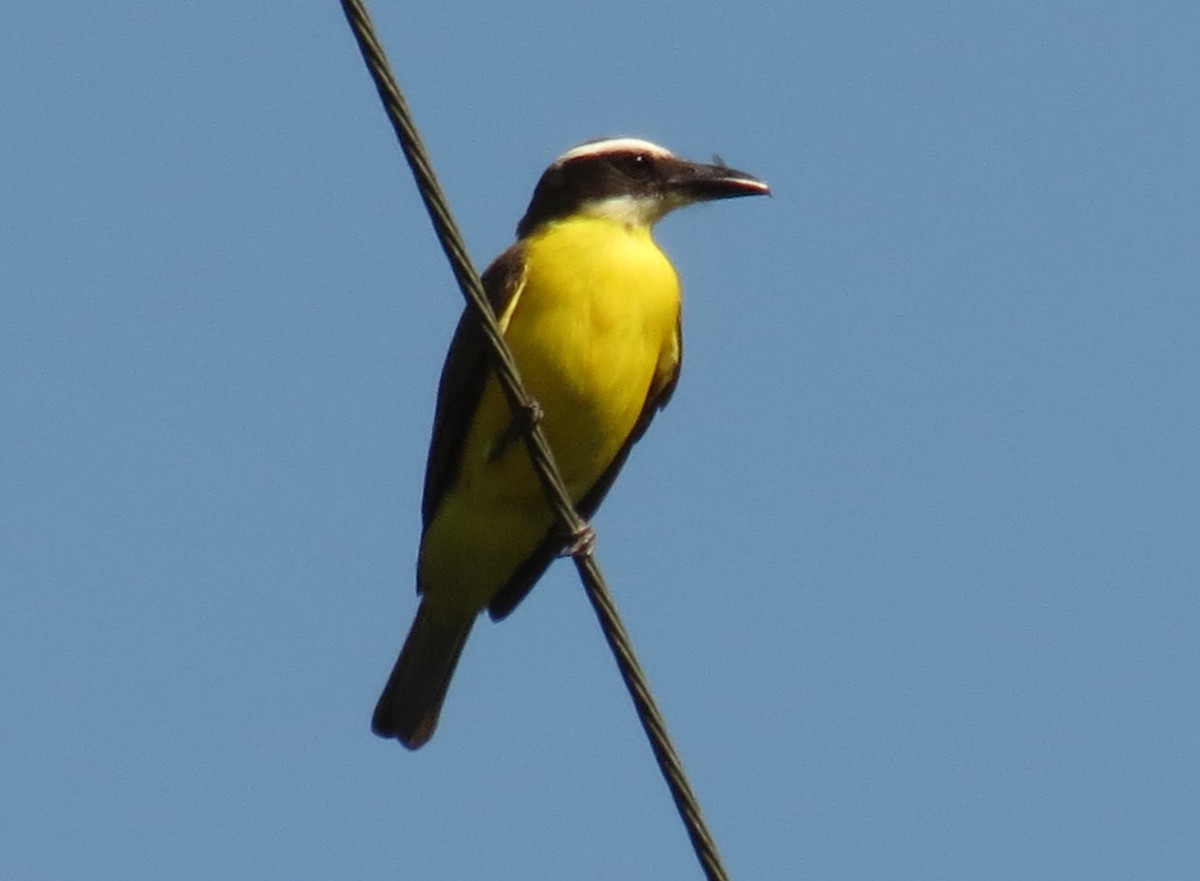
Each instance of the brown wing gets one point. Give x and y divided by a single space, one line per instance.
527 574
461 386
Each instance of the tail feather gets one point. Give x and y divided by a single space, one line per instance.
411 701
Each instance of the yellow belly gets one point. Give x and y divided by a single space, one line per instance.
594 330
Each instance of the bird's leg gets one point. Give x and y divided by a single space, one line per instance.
525 417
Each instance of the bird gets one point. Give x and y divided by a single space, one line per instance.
590 307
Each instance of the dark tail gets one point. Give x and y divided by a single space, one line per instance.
411 701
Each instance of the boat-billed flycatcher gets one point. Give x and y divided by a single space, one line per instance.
590 307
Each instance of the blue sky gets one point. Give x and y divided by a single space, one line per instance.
911 559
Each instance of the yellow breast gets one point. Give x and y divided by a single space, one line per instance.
593 328
598 316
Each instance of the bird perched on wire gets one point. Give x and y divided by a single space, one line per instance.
590 307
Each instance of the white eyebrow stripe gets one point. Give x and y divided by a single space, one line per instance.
614 145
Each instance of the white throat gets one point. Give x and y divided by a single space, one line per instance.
628 210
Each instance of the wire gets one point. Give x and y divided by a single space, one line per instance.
528 413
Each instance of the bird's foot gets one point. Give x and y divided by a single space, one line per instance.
521 424
582 543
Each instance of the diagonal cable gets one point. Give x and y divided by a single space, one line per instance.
525 408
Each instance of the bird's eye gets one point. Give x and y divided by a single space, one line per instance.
639 166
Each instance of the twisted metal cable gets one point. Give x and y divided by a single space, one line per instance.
543 460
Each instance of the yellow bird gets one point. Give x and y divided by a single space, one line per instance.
591 309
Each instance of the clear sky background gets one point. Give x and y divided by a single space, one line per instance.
912 558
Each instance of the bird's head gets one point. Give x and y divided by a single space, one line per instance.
631 181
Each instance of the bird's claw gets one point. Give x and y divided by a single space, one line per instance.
582 543
523 420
